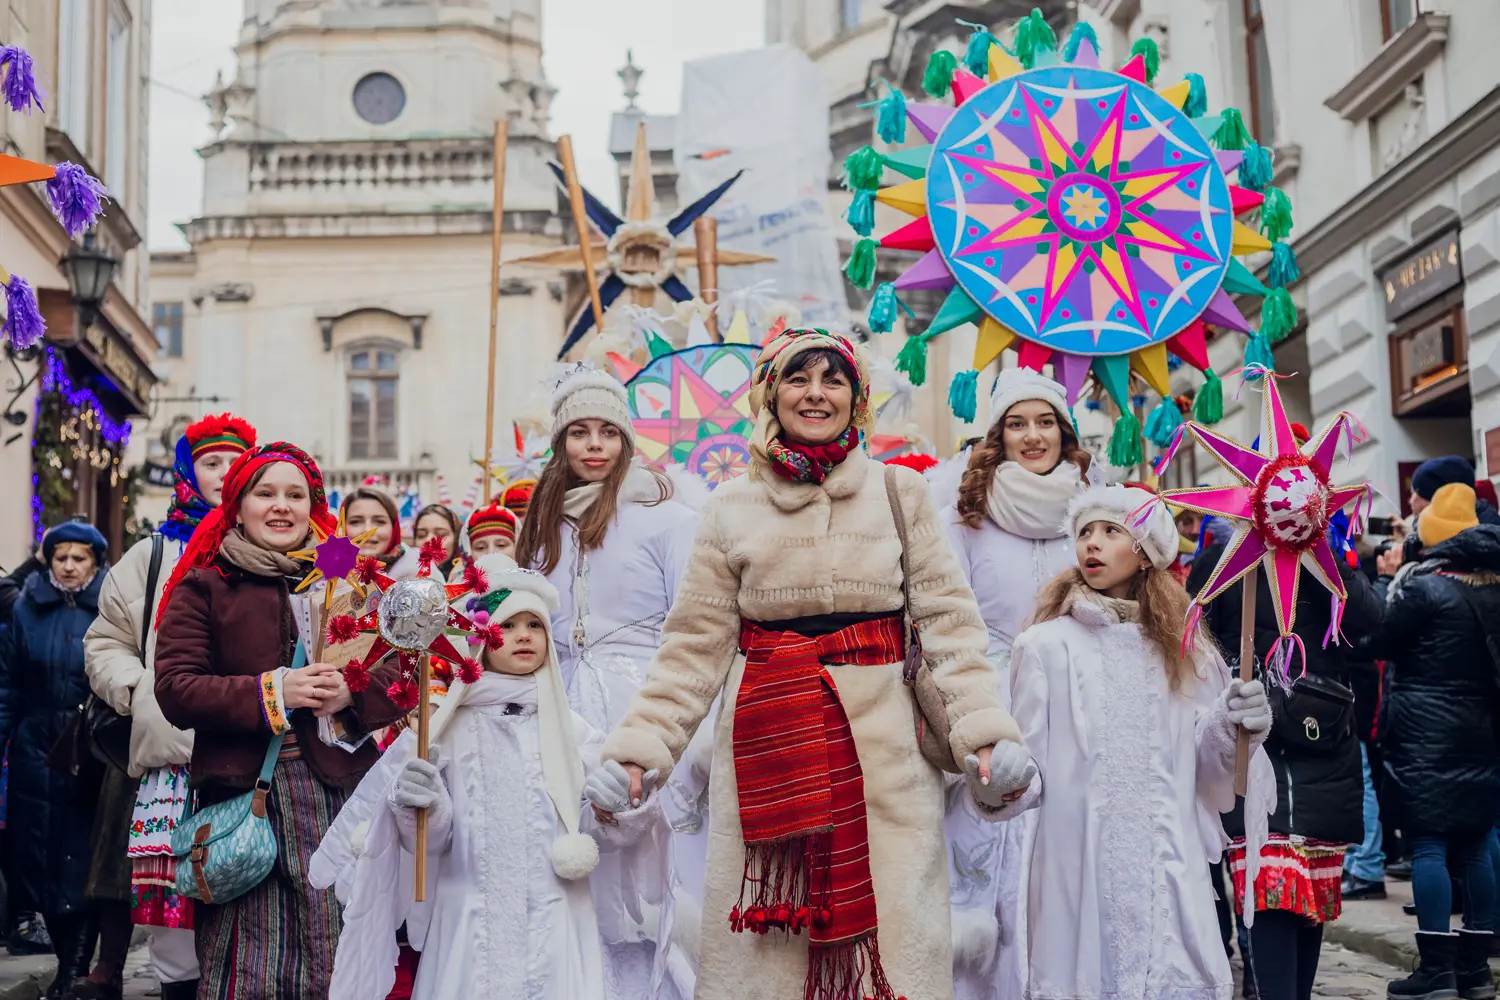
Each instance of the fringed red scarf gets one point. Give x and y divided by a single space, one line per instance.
810 463
802 803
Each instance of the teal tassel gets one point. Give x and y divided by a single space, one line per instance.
977 55
1255 168
1163 421
1082 31
1196 105
1208 405
1231 133
863 169
963 395
1146 47
1125 448
861 213
883 308
1276 215
1033 36
861 267
1278 315
1283 270
939 75
913 359
1258 352
890 120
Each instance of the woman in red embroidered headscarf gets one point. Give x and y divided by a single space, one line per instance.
799 566
228 635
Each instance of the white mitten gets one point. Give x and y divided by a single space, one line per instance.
1011 770
1248 707
608 787
419 786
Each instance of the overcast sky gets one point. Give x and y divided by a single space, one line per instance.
584 44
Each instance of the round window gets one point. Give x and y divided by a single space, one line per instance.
379 98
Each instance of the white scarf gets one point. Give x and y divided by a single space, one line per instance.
640 486
1032 506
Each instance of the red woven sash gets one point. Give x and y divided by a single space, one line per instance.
802 803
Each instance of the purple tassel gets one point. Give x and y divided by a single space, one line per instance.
24 325
77 198
20 87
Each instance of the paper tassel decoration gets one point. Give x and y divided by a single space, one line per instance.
1078 216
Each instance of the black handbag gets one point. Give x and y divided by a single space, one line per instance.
1313 714
108 731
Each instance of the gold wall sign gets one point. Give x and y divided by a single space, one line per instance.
1422 276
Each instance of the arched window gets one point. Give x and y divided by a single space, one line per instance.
372 379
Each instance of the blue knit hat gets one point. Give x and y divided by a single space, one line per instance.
1435 473
74 531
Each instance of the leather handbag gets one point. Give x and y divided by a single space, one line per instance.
229 848
928 708
108 731
1313 714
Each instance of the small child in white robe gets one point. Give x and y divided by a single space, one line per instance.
512 849
1135 747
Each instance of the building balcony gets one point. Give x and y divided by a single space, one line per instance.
344 480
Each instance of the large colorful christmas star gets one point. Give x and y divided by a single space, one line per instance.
1280 504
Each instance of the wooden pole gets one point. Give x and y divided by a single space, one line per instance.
1250 583
424 703
581 223
328 588
706 232
502 140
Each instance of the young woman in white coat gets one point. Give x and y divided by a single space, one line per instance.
1006 527
119 653
605 530
1133 727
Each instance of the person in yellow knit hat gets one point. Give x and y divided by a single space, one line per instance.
1438 734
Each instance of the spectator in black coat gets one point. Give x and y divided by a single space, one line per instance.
1319 780
1438 733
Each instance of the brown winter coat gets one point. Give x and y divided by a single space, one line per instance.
222 630
771 550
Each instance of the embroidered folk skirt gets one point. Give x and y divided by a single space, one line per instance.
1296 875
277 941
160 803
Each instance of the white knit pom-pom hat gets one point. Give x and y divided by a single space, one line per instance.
1017 384
1151 526
586 393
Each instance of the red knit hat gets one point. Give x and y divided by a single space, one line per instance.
517 496
216 526
495 519
220 432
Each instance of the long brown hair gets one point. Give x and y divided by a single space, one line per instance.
539 545
1164 610
391 511
973 492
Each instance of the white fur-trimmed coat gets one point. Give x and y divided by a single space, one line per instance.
769 549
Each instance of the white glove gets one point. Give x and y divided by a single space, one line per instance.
608 787
419 786
1248 706
1011 770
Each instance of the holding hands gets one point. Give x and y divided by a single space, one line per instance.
999 775
613 787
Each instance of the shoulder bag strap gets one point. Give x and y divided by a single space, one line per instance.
152 576
273 751
913 639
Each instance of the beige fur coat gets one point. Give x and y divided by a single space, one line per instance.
769 549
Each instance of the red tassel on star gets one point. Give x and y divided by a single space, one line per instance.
357 676
342 629
432 552
367 571
403 694
470 670
475 579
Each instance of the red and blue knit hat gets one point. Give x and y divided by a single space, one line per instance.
496 519
220 432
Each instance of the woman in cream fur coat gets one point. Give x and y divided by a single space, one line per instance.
791 607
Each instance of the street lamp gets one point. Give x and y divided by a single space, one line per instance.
90 271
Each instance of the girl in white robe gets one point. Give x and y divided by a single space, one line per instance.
514 857
1135 745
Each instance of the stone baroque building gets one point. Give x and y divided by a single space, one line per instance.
1385 120
336 290
93 63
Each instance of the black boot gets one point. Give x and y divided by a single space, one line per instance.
187 990
1433 978
60 928
1471 970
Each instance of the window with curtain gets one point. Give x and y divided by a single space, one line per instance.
75 19
1262 117
116 95
373 379
848 14
1395 15
166 322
